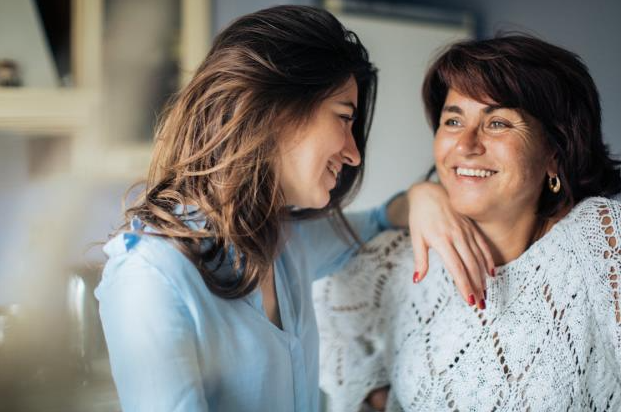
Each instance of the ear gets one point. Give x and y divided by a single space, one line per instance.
552 168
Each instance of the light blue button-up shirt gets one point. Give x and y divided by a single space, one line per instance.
175 346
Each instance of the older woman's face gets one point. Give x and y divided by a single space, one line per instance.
492 160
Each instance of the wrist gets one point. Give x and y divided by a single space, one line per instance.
416 189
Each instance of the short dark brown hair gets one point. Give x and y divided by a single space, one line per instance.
549 83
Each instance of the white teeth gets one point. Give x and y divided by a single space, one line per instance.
461 171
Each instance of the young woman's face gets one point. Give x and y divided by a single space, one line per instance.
312 157
492 160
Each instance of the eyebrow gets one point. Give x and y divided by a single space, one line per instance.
456 109
351 106
452 109
492 108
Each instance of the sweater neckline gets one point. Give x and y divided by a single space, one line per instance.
537 245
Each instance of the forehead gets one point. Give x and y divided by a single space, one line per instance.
455 97
457 102
347 92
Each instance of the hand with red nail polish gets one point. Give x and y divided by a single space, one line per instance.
434 224
471 300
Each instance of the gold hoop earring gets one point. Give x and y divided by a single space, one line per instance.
554 183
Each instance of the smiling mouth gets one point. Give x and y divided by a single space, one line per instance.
480 173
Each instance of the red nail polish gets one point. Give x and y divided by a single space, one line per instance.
416 277
493 272
482 304
471 300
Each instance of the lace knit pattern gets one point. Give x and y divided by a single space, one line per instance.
550 338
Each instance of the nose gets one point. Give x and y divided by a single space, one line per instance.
350 154
469 143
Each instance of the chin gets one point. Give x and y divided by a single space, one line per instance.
321 202
316 202
471 207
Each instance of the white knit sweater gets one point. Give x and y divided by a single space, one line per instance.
549 340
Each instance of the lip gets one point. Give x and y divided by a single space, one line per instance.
472 166
334 169
330 180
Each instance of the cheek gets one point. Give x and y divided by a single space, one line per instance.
308 162
526 165
294 161
441 149
333 140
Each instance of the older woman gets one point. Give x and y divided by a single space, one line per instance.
518 149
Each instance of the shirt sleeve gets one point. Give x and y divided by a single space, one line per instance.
151 340
324 249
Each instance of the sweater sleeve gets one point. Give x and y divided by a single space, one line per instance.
600 223
324 249
356 309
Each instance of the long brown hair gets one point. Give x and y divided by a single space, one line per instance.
217 143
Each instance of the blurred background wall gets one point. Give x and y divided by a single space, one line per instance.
77 132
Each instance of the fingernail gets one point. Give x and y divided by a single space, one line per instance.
471 300
416 277
493 273
482 304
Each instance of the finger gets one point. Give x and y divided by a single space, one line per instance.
377 399
454 265
480 257
475 272
487 253
421 258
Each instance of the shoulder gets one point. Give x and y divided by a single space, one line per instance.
143 262
352 298
387 243
594 208
594 229
597 238
374 262
595 219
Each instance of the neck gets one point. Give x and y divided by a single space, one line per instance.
509 238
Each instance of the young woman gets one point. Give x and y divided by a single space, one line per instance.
206 297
